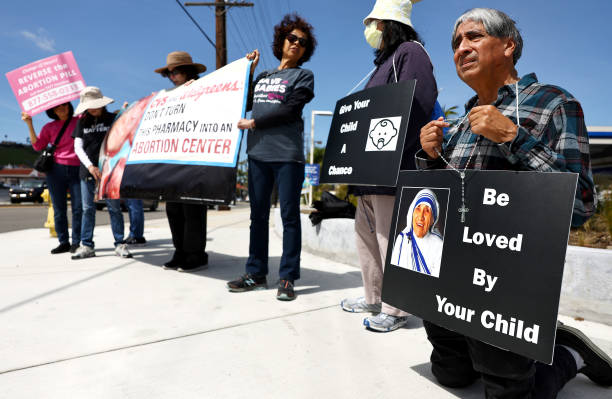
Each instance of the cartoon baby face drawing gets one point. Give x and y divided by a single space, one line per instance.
383 134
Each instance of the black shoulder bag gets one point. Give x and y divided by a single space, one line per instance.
330 207
44 162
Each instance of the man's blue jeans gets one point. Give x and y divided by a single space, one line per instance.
289 177
62 179
88 187
136 214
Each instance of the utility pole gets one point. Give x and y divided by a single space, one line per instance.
220 30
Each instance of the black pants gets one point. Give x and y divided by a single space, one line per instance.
457 361
188 227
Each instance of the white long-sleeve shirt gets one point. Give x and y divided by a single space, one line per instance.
80 151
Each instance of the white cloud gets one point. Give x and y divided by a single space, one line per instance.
41 39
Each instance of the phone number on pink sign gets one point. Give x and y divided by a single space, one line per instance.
52 94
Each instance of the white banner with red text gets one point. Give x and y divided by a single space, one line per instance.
186 144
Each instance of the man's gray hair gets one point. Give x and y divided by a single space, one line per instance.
496 23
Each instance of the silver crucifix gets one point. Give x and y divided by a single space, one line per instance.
463 210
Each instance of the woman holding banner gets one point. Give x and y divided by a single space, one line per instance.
64 176
275 147
187 220
399 56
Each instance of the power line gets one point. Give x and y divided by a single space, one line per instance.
265 14
221 8
196 24
245 48
251 34
266 50
259 40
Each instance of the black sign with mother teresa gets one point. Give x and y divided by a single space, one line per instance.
496 276
367 134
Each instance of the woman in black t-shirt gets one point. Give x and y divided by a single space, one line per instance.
275 147
88 136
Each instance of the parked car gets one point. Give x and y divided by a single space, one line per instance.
28 190
146 204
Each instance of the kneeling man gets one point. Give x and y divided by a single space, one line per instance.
511 124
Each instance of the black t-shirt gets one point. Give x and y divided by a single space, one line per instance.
92 131
278 99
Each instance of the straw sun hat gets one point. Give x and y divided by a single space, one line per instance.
179 58
91 97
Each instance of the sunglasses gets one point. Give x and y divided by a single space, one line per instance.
173 72
293 38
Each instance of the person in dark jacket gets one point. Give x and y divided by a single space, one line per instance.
88 136
399 56
275 147
187 220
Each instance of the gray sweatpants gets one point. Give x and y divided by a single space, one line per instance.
372 223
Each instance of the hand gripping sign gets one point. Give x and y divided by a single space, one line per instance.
180 144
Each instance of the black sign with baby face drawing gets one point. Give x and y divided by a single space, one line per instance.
496 276
367 135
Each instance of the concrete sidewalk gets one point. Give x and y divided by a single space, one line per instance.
108 327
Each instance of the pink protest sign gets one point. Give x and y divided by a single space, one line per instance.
45 83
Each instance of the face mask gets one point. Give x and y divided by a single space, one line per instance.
372 35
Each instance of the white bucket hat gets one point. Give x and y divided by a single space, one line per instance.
394 10
91 97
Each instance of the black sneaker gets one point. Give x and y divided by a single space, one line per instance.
60 249
73 248
285 291
194 262
247 283
598 365
175 262
135 241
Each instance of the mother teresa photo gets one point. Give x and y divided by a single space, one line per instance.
418 246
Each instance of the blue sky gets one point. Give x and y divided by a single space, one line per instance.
117 44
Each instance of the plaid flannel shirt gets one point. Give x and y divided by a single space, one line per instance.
552 137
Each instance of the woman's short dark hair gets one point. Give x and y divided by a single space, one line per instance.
289 23
190 71
394 34
51 113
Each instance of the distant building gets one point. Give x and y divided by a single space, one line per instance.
600 144
13 176
12 144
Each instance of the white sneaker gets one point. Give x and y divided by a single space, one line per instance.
122 251
359 305
84 252
384 322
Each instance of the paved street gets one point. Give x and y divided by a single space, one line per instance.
108 327
27 216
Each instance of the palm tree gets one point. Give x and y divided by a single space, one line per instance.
450 112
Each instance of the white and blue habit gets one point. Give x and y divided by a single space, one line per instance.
421 255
